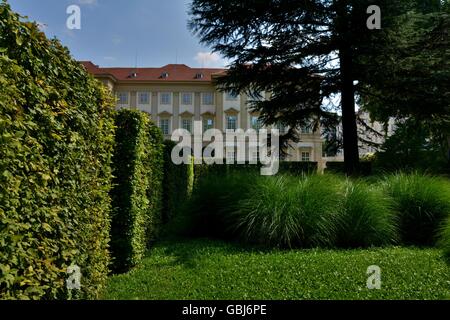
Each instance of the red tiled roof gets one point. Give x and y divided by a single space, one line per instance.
176 72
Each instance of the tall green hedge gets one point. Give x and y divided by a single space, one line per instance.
56 137
178 183
338 167
285 167
137 191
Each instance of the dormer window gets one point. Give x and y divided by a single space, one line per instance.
199 76
164 75
133 75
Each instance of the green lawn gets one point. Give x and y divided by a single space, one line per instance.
206 269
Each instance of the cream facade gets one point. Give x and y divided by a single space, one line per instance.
176 98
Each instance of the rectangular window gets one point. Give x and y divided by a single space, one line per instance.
207 99
186 99
144 98
164 125
256 123
208 124
230 97
231 122
186 124
165 98
123 98
306 156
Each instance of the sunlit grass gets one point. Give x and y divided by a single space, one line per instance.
205 269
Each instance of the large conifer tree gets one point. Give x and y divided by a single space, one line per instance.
304 52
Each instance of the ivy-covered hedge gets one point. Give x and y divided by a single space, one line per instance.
56 137
137 191
178 183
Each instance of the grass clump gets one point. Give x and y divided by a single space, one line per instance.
289 212
367 217
444 238
208 212
422 204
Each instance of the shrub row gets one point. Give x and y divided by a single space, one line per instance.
56 137
137 192
287 167
338 167
318 210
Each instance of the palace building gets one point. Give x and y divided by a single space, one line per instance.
176 95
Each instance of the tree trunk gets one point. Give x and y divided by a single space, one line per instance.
349 128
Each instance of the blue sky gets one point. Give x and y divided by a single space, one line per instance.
113 32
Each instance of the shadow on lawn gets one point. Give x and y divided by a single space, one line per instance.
188 251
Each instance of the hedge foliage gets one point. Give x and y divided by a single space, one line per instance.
56 137
137 190
338 167
178 183
286 167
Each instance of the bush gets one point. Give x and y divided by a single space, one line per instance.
444 238
178 183
56 136
286 212
337 167
298 168
137 191
414 147
286 167
367 217
208 211
422 203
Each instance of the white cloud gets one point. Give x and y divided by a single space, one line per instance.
210 59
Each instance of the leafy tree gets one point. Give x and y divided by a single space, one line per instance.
410 77
410 148
304 52
307 53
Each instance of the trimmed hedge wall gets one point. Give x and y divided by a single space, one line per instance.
339 167
298 168
178 183
286 167
137 191
56 137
